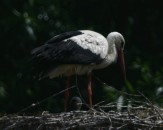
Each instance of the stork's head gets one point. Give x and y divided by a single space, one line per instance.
117 40
75 103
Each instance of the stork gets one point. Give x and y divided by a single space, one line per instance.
78 52
75 104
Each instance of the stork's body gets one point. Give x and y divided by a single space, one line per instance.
78 52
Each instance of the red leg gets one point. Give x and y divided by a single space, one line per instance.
90 88
67 93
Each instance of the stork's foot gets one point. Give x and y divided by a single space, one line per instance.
92 112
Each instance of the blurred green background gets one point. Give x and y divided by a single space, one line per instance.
27 24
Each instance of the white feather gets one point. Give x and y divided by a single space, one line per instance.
92 41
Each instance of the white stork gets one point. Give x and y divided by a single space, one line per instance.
78 52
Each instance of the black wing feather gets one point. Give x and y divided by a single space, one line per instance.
64 36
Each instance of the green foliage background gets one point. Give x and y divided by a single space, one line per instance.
27 24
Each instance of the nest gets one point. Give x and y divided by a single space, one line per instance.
136 116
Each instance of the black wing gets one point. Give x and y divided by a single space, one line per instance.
58 51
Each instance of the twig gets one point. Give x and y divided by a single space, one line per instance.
151 105
121 92
76 79
45 99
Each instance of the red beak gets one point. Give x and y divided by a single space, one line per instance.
122 62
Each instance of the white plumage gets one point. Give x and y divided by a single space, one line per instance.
92 41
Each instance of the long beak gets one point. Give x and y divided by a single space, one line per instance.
122 62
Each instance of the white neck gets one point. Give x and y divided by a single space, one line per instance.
112 54
110 57
112 51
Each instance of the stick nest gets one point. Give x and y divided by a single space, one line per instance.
101 117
